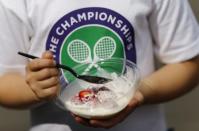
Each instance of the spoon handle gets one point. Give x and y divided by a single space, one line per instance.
67 68
57 64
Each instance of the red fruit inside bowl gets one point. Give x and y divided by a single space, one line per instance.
89 95
86 95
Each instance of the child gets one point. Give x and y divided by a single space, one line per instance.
71 31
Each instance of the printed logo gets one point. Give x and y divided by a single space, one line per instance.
91 34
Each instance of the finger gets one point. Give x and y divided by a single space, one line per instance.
128 110
134 103
139 97
102 124
82 121
47 55
52 81
48 94
38 64
108 123
42 74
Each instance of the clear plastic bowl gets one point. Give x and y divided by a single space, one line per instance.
99 101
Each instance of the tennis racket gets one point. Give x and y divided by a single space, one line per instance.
104 48
79 51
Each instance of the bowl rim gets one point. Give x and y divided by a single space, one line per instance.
136 74
136 70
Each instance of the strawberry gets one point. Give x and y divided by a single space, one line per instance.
86 94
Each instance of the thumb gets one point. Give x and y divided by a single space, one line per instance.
137 99
47 55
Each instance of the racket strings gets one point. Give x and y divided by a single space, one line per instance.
78 50
105 48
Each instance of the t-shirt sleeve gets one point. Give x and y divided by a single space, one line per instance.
175 31
14 35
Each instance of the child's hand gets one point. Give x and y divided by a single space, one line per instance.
43 77
136 101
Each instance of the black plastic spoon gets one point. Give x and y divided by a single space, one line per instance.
91 79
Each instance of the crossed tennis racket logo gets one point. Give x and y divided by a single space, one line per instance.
80 52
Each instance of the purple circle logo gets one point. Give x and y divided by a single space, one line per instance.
93 30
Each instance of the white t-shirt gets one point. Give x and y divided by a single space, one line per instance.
136 29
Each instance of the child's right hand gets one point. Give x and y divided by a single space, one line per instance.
43 77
